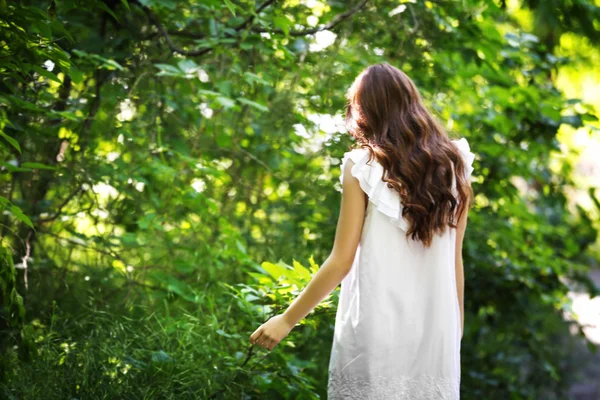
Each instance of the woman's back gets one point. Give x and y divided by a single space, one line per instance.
398 325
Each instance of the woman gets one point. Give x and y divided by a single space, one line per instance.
397 250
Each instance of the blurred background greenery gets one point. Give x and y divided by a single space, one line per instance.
169 180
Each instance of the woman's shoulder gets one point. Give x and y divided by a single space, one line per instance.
364 167
369 174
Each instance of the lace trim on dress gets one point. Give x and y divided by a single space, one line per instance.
345 387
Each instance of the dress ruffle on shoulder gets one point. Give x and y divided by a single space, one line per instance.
386 199
468 156
369 175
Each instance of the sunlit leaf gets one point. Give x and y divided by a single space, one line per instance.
12 141
253 104
230 5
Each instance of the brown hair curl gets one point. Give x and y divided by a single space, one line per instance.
386 115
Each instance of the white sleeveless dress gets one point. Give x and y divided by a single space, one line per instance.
397 327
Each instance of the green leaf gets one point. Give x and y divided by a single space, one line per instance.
43 27
58 27
212 25
170 4
221 332
246 45
45 73
71 116
104 7
11 168
275 270
231 6
253 78
314 267
18 213
254 104
588 117
301 271
76 75
98 60
282 23
113 65
170 70
208 92
25 104
573 120
187 66
10 140
36 165
80 53
126 4
225 101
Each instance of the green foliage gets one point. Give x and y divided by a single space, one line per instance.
12 311
175 354
156 152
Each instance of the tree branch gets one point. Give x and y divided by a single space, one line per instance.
245 24
249 20
198 52
61 206
166 34
155 21
84 245
331 24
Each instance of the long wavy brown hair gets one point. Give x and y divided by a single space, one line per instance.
386 115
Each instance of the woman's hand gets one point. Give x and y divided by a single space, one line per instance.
269 334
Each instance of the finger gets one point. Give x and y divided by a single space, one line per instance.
256 335
273 344
269 344
264 340
253 336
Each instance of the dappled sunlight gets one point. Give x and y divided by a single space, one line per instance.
323 39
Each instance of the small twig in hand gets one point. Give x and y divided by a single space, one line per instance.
248 356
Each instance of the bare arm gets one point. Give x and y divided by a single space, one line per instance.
332 271
459 270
